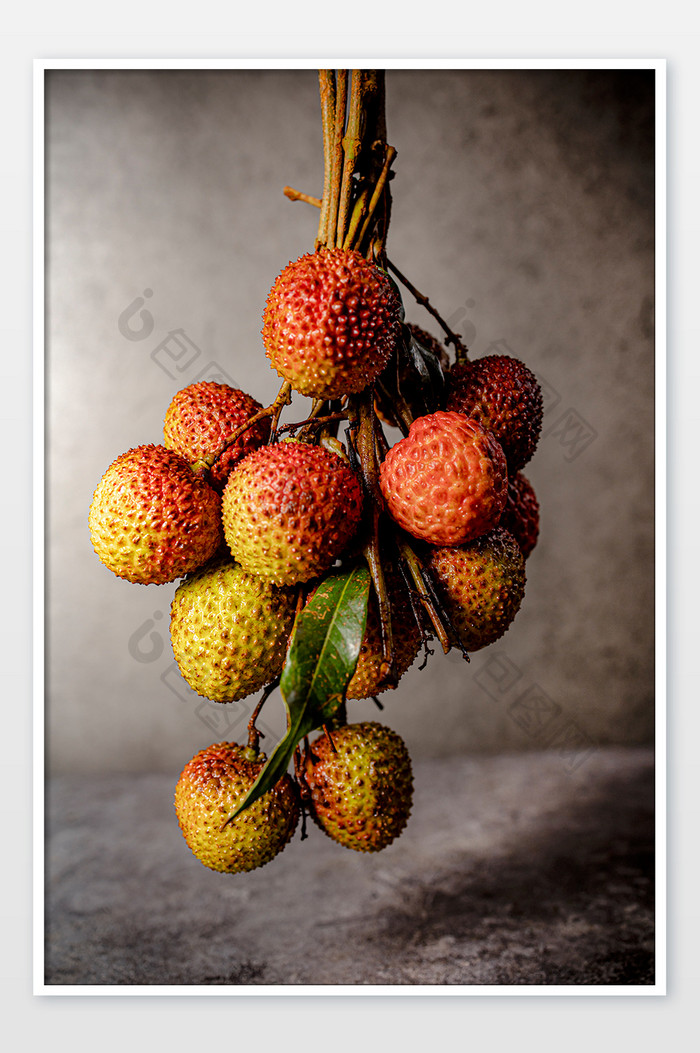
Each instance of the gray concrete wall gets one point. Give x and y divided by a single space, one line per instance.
523 207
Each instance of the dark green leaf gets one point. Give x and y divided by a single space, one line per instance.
321 660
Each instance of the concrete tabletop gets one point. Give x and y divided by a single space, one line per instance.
521 869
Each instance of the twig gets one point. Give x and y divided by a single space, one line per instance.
416 571
327 87
297 195
352 145
367 453
312 422
284 397
341 99
329 737
356 218
452 338
254 735
376 196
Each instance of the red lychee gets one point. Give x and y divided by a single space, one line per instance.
203 416
153 520
289 511
505 396
330 323
446 482
521 516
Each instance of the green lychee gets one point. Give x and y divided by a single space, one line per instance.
151 519
229 630
289 511
210 787
203 416
482 584
330 323
446 482
360 785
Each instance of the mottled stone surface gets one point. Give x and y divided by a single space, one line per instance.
518 869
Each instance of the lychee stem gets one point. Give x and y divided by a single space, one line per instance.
367 443
356 218
451 338
351 146
417 574
284 397
313 422
297 195
329 737
254 735
337 171
337 124
327 87
376 196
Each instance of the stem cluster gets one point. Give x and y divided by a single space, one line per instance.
354 214
356 200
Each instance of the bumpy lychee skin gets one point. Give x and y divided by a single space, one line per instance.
151 519
482 584
360 785
203 416
229 630
505 396
330 323
521 516
367 679
446 482
289 510
208 791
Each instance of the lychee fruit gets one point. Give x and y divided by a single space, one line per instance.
446 482
208 791
153 520
521 516
289 511
330 323
360 785
229 630
202 417
367 679
482 584
505 396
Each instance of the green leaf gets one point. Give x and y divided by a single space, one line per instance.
323 652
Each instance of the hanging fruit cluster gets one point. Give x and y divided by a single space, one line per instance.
315 556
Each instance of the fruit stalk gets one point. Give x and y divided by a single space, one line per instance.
367 455
462 352
327 88
284 397
356 161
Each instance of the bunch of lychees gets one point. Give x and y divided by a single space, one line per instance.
315 556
